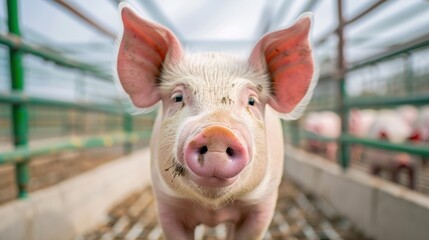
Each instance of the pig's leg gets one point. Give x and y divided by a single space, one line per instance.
256 222
230 231
331 151
375 170
173 227
412 177
425 161
410 170
254 226
395 173
356 153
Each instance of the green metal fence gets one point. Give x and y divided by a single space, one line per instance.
406 84
80 124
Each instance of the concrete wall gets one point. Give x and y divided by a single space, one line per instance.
76 205
380 209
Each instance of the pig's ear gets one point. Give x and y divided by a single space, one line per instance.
144 48
288 59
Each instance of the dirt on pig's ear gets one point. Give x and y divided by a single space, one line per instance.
144 48
287 57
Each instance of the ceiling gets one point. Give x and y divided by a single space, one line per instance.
225 25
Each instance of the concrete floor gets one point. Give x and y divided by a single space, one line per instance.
298 216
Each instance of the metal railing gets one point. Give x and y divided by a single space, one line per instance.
340 102
371 102
19 103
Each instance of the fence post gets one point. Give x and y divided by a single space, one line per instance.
128 128
19 110
341 65
295 133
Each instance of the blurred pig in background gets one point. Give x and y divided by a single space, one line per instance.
360 121
421 126
393 126
405 124
325 124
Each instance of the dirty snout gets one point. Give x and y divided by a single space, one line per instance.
216 155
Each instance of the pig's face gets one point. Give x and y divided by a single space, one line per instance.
212 139
213 126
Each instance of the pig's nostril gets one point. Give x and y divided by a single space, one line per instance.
203 150
215 153
230 152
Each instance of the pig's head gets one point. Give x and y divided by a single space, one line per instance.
212 138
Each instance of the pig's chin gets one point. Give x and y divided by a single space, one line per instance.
212 182
213 189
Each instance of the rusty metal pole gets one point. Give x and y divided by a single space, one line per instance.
79 13
128 129
341 75
371 8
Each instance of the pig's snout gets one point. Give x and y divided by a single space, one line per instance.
216 152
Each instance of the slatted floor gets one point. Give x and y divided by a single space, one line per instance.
422 174
422 180
298 216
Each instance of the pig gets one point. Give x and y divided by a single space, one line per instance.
325 124
420 134
310 124
390 125
421 126
409 113
360 121
217 144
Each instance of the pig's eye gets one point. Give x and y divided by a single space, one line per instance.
178 98
251 101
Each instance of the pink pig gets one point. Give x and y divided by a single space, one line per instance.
392 126
217 144
325 124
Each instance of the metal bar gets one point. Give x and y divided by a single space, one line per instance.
295 134
80 13
20 98
128 128
352 20
384 56
374 102
409 148
390 22
365 12
20 154
15 42
341 66
412 149
19 110
311 135
316 108
413 42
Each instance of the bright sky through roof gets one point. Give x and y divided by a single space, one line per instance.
232 26
203 25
